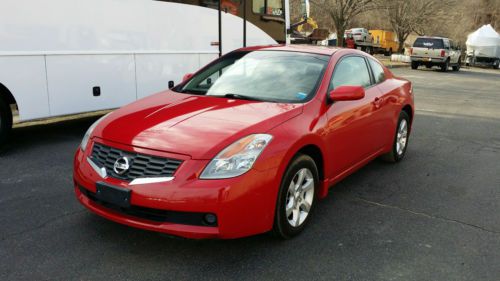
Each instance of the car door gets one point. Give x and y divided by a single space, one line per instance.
350 134
385 105
455 52
451 49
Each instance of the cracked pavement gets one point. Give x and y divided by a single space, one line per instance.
434 216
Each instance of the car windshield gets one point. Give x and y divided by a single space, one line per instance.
275 76
432 43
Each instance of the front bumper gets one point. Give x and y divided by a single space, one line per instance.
243 205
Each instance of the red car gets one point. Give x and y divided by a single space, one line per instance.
246 145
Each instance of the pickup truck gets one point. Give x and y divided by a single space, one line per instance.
435 51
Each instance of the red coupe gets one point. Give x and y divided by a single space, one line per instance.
246 145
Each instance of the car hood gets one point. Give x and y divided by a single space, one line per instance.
198 126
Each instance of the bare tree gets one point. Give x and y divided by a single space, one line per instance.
416 16
342 12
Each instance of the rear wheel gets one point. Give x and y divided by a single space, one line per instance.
5 120
296 197
400 143
414 65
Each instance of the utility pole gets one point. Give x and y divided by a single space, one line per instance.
244 23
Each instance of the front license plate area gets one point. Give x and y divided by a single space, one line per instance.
113 195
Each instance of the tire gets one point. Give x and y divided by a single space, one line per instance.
496 64
5 121
397 152
457 67
445 66
286 227
414 65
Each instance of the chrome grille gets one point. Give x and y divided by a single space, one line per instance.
141 165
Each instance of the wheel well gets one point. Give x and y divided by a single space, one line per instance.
315 153
6 95
408 110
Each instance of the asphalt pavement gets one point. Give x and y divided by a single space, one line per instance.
434 216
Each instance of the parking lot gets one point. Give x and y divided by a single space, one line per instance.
434 216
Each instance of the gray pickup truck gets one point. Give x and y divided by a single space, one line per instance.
435 51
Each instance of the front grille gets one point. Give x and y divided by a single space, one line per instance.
155 215
141 165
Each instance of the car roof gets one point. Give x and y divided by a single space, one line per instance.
321 50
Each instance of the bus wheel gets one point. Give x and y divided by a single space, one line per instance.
5 120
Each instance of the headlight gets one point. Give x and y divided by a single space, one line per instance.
237 158
86 137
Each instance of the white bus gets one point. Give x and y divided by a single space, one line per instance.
60 57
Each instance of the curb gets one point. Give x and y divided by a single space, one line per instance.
390 66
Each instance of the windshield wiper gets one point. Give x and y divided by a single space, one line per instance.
243 97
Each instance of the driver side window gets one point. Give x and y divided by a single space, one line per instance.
350 71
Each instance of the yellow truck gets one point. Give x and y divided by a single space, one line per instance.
384 41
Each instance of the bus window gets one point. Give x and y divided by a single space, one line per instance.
268 7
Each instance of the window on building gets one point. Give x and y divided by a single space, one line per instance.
268 7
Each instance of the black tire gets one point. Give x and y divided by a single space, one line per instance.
445 65
5 121
496 64
459 64
414 65
393 156
282 228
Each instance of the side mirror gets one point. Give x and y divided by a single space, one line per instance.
187 77
171 84
346 93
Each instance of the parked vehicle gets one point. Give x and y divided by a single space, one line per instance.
483 48
359 35
246 145
82 56
384 41
435 51
378 42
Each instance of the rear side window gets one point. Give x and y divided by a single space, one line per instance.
431 43
378 71
351 71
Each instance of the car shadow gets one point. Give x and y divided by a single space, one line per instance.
470 72
37 136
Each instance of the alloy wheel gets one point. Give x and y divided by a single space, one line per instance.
299 197
402 137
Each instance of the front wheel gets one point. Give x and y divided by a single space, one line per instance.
457 67
496 64
414 65
400 142
5 120
296 197
445 66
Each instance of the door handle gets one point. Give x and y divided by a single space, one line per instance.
377 102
